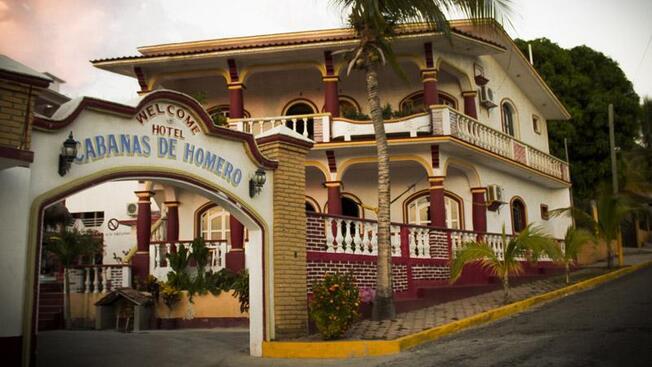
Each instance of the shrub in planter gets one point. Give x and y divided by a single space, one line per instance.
334 306
170 295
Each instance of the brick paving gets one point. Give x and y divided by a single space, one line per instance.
426 318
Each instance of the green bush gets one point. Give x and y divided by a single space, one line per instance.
334 306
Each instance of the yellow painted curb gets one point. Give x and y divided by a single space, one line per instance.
371 348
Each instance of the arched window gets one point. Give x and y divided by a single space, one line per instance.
214 224
312 206
509 118
418 210
300 107
519 215
414 102
348 107
220 113
350 207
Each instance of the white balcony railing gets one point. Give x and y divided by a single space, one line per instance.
159 266
447 121
315 127
99 278
442 121
494 240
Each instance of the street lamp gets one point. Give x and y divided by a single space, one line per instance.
68 154
256 182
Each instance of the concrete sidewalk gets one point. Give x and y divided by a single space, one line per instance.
433 316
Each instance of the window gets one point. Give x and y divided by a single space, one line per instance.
508 117
545 215
414 102
215 224
300 107
536 124
310 208
348 107
222 111
418 211
453 216
90 219
519 215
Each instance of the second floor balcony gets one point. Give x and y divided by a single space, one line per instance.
439 121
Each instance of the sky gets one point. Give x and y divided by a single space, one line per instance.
61 36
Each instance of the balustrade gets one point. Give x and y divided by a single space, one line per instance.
302 124
100 278
159 266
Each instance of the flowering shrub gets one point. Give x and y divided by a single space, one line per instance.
367 295
334 306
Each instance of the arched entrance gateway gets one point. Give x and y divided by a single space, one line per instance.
170 139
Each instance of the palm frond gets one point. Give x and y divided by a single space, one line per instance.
574 240
472 252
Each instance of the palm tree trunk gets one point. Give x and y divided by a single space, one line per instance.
567 272
610 254
383 308
66 302
506 296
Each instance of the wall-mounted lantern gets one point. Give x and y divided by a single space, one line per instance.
68 154
256 183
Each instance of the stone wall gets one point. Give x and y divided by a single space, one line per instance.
14 101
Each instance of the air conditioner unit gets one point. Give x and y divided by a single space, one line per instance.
132 209
487 97
494 197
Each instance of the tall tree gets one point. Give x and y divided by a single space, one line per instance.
375 23
586 81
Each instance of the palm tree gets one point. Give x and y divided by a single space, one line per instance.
611 210
374 22
574 240
68 246
530 243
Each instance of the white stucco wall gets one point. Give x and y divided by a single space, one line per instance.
14 197
111 198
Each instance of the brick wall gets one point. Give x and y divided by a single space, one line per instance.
315 234
289 236
519 153
14 99
430 272
439 244
364 273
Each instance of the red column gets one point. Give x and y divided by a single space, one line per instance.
469 104
140 261
334 200
479 209
236 101
331 96
235 258
437 208
430 90
172 224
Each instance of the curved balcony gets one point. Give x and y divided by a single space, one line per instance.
440 121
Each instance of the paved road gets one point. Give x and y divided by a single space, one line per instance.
610 325
607 326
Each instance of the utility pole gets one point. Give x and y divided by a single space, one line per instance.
570 191
614 177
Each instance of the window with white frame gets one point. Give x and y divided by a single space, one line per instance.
418 211
215 224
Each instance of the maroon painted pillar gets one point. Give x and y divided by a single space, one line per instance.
430 90
334 199
469 104
236 101
331 96
235 258
172 223
437 207
140 261
479 209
